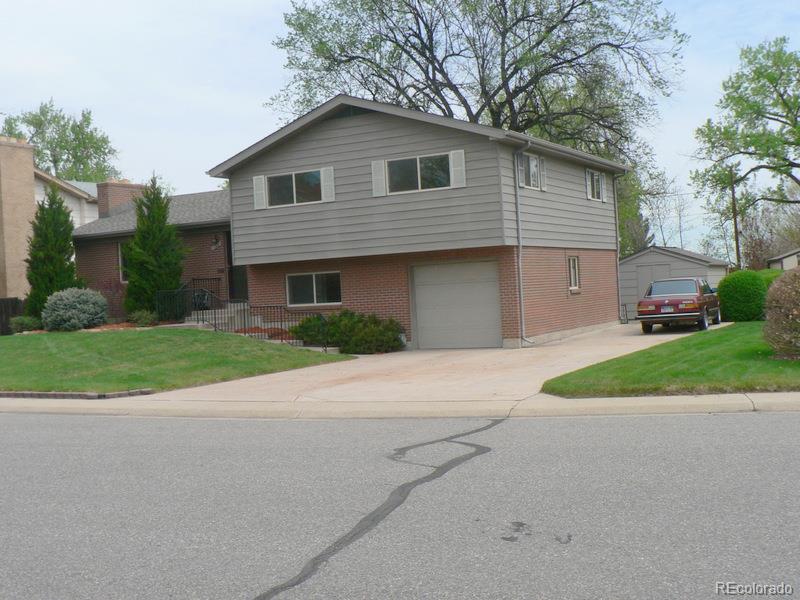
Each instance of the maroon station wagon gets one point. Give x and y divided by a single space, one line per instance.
683 300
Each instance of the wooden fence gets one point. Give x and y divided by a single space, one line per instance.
9 307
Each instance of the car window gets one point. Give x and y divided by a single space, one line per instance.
706 287
672 287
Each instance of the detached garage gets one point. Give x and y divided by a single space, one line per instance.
662 262
457 305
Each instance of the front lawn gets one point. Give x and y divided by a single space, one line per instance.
161 359
730 359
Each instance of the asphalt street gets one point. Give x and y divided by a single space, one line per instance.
580 507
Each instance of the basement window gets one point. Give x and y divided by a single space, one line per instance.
574 273
308 289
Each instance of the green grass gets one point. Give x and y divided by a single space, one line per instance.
730 359
161 359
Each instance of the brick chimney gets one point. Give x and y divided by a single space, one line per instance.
113 194
17 208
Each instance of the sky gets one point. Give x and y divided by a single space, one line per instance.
180 86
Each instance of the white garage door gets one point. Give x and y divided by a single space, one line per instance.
457 305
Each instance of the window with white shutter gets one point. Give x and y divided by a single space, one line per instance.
259 192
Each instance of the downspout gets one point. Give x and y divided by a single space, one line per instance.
520 292
616 237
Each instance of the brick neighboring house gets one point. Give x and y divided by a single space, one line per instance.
203 223
470 236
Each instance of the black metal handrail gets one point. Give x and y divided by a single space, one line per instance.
265 322
212 284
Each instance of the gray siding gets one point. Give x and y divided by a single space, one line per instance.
635 274
561 216
356 223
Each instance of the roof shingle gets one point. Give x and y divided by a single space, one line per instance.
185 210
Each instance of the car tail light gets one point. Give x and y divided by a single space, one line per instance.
647 306
688 305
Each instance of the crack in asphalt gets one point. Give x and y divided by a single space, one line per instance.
395 499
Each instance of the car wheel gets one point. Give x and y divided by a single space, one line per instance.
647 328
702 324
717 317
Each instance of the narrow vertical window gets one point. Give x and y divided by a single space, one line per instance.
123 265
574 273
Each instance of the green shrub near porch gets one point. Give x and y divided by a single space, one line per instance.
351 332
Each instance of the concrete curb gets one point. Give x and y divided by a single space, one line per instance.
78 395
538 405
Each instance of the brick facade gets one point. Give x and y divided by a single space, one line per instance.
381 285
549 304
97 261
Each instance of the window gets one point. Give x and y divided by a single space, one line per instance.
419 173
574 273
595 185
123 265
673 287
294 188
314 288
531 176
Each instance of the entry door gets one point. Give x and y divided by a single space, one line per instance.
457 305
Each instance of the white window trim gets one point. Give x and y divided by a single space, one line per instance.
419 174
577 261
602 191
122 278
314 287
294 188
538 159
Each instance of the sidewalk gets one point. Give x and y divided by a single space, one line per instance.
537 405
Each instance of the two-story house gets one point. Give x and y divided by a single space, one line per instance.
470 236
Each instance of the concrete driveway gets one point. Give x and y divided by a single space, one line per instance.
427 376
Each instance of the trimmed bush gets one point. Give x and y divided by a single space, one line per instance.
769 275
742 295
143 318
25 323
782 329
311 330
352 333
73 309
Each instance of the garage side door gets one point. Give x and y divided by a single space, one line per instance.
457 305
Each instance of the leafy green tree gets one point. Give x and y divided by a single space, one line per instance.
153 257
66 146
51 265
634 227
758 129
757 133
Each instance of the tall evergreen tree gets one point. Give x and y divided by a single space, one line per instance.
153 258
51 265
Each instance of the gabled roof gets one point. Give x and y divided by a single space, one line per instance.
784 255
337 102
185 211
680 253
66 186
